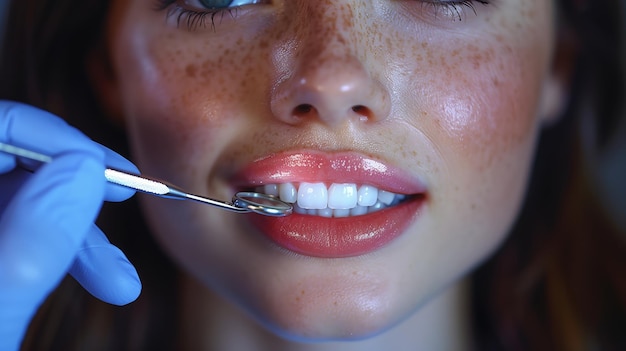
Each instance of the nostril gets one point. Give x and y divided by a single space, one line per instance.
360 109
363 112
302 109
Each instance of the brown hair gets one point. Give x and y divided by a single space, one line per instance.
557 282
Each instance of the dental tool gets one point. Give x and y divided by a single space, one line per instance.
242 202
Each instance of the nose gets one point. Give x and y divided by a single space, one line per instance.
328 83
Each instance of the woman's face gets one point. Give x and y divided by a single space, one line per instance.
433 105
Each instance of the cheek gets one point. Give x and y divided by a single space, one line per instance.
485 106
182 94
479 104
488 88
477 107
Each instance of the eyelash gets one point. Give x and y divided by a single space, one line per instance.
458 7
193 19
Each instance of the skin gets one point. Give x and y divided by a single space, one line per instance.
457 103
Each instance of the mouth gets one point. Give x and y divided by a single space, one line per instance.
345 204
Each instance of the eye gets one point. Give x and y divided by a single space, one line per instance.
195 14
217 4
455 9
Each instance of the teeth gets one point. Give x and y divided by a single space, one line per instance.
342 196
358 211
385 197
313 196
287 192
271 189
341 213
338 200
367 196
326 212
298 209
377 207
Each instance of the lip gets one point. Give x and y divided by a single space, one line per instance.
334 237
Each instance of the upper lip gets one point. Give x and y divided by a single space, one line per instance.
329 167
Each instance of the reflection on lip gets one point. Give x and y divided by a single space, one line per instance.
334 237
314 166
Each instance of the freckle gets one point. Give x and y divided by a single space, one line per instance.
191 70
476 60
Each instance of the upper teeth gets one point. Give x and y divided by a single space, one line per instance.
338 200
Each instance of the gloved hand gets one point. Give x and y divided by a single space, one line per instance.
47 219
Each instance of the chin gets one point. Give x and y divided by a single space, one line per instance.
332 304
313 323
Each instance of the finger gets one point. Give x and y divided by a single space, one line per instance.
41 131
10 184
40 232
7 163
104 271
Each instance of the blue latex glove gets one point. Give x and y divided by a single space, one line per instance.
47 219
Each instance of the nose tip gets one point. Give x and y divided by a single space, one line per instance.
331 93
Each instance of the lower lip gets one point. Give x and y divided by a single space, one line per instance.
339 237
